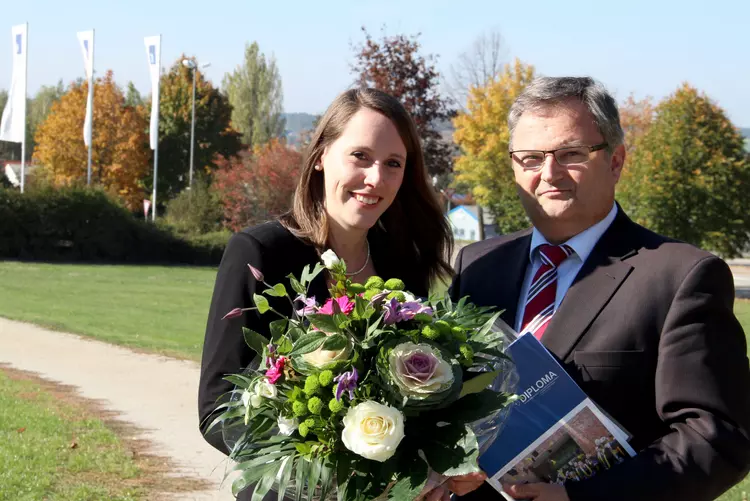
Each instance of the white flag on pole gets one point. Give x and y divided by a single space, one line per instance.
86 38
153 51
13 123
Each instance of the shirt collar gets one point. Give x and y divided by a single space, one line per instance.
583 243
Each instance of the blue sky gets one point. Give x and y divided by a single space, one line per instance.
643 47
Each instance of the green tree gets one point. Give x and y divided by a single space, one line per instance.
213 132
688 174
38 110
255 93
132 96
482 135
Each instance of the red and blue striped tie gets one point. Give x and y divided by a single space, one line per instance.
540 302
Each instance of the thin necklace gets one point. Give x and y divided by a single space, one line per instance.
364 265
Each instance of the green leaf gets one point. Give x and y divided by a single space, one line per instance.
278 328
277 290
254 340
476 406
454 450
284 346
374 326
312 481
326 481
335 343
298 288
251 476
303 467
325 323
265 484
286 475
308 343
485 334
261 303
240 381
478 383
414 473
341 321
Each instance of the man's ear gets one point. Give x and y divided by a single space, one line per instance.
617 162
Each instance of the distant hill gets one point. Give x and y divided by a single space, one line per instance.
746 132
299 122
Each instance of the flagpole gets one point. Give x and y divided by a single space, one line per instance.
25 86
91 110
156 145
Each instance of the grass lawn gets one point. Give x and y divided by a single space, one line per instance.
155 308
53 449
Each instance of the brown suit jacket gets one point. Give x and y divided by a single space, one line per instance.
647 330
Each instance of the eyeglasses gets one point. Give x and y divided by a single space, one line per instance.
572 155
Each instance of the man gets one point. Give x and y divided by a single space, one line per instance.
643 323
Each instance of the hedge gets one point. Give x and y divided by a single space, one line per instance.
76 224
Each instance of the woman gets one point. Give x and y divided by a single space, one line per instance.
363 192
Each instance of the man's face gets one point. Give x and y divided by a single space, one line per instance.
564 200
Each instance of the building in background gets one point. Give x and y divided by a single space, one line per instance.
466 223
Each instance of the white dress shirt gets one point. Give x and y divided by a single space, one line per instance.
582 244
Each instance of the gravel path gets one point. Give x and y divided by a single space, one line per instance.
157 394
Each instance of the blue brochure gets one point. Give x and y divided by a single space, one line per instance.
554 433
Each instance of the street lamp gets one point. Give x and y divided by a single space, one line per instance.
190 63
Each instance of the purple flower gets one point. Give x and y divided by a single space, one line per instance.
237 312
378 298
256 273
411 308
346 382
391 311
310 306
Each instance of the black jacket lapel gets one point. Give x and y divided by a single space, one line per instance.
596 283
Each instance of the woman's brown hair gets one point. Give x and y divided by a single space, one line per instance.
413 230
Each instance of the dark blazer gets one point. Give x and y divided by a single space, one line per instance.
276 252
647 330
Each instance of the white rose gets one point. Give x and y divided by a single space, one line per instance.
255 400
266 390
287 425
419 370
330 259
320 357
373 430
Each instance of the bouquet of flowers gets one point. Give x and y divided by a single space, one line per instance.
375 394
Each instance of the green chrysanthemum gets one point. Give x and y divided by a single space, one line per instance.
315 405
325 378
299 408
336 405
375 282
394 284
431 332
312 384
303 429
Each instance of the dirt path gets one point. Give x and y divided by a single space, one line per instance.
156 394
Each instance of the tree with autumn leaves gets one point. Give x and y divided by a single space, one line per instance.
257 185
687 174
394 65
482 134
120 155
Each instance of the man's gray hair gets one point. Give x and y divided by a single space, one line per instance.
553 91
